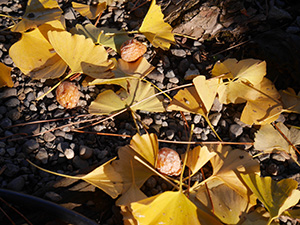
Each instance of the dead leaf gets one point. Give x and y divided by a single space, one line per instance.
155 29
37 13
257 217
81 54
5 76
34 55
90 11
283 194
290 100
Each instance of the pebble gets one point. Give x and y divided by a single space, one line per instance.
79 163
17 184
197 118
174 80
2 151
183 66
170 74
8 92
69 153
156 76
170 134
191 74
11 170
6 122
235 130
31 145
42 156
11 151
54 197
14 114
33 108
217 105
198 130
151 182
278 157
13 102
48 137
85 152
178 52
52 107
215 118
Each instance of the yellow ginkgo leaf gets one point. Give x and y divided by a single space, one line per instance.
37 13
257 217
146 146
283 194
131 172
268 139
137 96
104 177
198 157
34 55
90 11
81 54
248 71
155 29
263 105
170 208
290 100
226 204
5 76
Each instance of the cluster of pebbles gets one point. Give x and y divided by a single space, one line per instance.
43 131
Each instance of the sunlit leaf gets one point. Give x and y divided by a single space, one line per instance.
268 139
133 173
81 54
146 146
90 11
104 177
170 208
138 96
5 76
155 29
262 107
276 196
198 157
34 55
37 13
228 205
249 71
290 100
109 37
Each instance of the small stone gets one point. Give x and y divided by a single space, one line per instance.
42 156
214 118
62 146
54 197
203 136
11 170
30 129
156 76
16 184
14 114
69 153
58 113
197 118
8 92
52 107
85 152
6 122
48 137
197 130
13 102
170 134
80 163
174 80
272 169
151 182
33 108
217 105
170 74
278 158
191 74
235 130
2 151
183 65
11 151
30 97
31 145
8 61
279 14
3 110
179 53
59 133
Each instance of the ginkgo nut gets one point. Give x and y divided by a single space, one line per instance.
67 94
168 162
132 49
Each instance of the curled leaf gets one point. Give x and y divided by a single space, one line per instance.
5 76
90 11
290 100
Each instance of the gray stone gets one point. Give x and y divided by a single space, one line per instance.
183 65
85 152
6 122
33 108
31 145
30 97
62 146
59 133
11 170
151 182
191 74
170 134
32 128
54 197
214 118
197 130
16 184
170 74
52 107
8 92
8 61
14 114
11 151
203 136
3 110
235 130
48 137
42 156
156 76
174 80
179 53
13 102
197 118
2 151
279 157
79 163
278 14
217 105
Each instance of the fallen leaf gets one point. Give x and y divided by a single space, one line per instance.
268 139
155 29
283 194
5 76
137 96
257 217
85 57
37 13
34 55
90 11
290 100
170 208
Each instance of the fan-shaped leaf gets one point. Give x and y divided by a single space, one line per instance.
5 77
290 100
155 29
276 196
34 56
37 13
90 11
81 54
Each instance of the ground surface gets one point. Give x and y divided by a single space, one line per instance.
267 30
